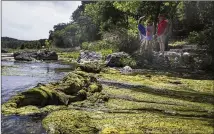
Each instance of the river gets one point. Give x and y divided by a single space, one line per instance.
19 76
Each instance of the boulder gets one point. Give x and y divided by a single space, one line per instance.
89 56
40 55
91 67
126 70
117 59
46 55
24 56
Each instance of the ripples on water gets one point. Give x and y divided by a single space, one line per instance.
20 76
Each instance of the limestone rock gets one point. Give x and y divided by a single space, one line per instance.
126 70
116 59
93 67
40 55
89 56
46 55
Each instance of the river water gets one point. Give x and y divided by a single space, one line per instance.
19 76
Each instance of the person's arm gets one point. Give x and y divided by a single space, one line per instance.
141 19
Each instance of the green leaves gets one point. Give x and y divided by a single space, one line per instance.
127 6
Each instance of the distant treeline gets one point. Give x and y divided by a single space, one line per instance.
7 42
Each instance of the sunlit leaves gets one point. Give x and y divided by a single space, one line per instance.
127 6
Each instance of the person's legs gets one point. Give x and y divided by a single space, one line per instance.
162 43
146 45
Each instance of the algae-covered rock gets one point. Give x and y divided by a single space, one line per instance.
69 122
76 86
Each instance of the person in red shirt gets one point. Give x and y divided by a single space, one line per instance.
162 32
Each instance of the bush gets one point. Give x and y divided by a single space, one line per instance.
97 45
128 61
122 40
198 37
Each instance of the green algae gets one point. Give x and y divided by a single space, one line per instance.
140 96
68 122
94 88
161 80
75 121
164 104
76 86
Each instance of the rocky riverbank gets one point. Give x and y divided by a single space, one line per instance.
106 97
111 102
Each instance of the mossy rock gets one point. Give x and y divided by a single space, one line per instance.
91 67
69 122
30 101
94 87
76 86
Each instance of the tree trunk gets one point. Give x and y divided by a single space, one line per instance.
158 5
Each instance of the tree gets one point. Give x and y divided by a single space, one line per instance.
48 44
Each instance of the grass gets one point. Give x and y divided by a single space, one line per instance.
178 43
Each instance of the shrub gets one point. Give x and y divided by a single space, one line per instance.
97 45
198 37
128 61
122 40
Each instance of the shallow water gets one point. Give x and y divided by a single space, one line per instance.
20 76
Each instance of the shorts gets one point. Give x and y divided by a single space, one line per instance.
162 38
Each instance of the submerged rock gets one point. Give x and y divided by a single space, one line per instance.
76 86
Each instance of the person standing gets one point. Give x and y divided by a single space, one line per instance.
162 32
142 33
149 33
